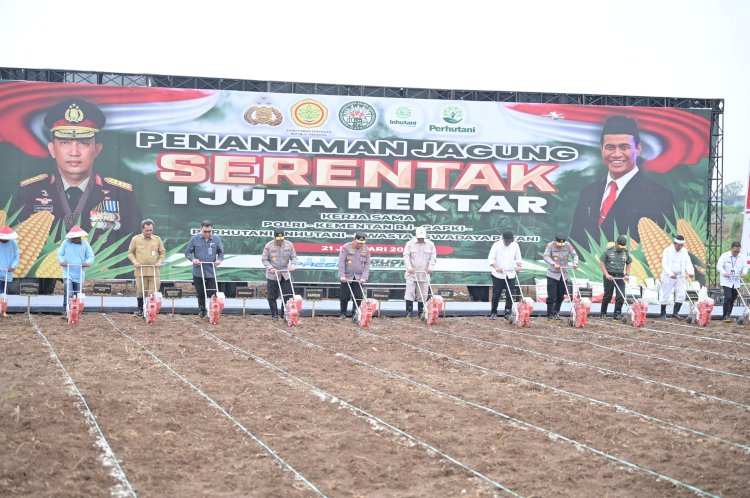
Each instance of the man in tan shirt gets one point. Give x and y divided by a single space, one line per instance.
147 250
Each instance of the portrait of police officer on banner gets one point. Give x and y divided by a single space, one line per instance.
74 190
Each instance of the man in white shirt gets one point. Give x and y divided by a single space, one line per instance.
732 266
675 267
505 260
420 257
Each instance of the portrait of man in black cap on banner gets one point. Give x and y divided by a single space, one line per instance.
74 191
625 195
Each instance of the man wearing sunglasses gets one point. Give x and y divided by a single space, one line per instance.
279 258
354 266
557 255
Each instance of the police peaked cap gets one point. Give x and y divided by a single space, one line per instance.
74 118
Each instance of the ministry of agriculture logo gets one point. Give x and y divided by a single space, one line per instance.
453 114
357 115
309 113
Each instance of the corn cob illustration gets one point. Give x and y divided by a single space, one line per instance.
638 271
3 217
32 234
653 242
49 268
693 241
633 245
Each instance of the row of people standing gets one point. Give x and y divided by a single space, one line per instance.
205 251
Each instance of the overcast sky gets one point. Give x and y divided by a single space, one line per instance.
687 48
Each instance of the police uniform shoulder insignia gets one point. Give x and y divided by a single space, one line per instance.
118 183
34 179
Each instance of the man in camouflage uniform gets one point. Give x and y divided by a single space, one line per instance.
279 258
354 265
615 264
74 190
419 258
146 249
557 255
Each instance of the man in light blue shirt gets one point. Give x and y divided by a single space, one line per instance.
8 260
203 248
74 255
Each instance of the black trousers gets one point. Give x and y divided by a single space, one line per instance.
272 288
609 289
730 296
200 291
555 294
345 295
498 286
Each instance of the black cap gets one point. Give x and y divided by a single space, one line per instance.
278 232
360 235
621 125
507 235
74 118
622 240
560 237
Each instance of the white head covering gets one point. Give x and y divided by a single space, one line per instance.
7 233
421 233
76 232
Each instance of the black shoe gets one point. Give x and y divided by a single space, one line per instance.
343 316
354 319
409 315
603 316
617 317
274 317
663 317
138 313
550 318
677 317
556 316
201 314
727 319
493 316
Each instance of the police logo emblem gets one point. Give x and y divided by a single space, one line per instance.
263 113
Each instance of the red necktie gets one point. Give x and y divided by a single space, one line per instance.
608 202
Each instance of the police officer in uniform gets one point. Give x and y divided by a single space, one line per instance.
615 264
279 258
354 264
557 255
74 190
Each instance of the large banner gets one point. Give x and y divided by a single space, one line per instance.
325 166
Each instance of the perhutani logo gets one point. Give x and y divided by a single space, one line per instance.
453 114
403 118
309 113
357 115
263 113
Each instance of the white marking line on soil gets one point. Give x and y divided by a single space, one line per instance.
514 421
108 457
601 370
649 343
616 350
562 392
325 395
218 407
691 336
